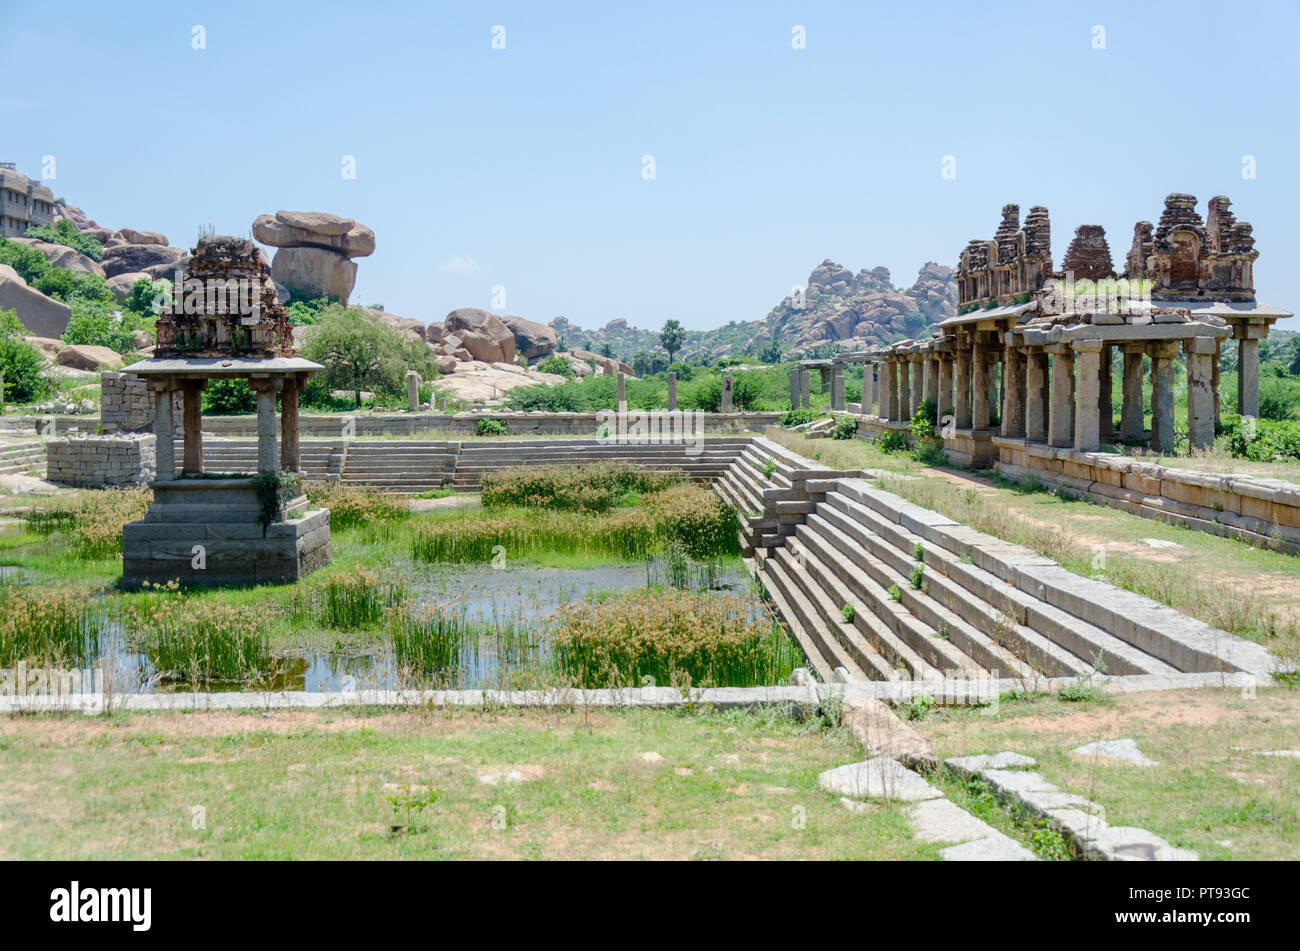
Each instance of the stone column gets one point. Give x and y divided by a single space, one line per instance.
837 388
1087 422
1248 374
1105 402
268 459
995 377
904 390
1132 410
805 389
1036 400
622 394
944 403
1013 394
164 430
412 390
1214 381
932 380
794 387
980 410
888 390
672 392
289 460
192 391
1060 427
961 399
727 383
874 370
918 382
1200 392
1162 396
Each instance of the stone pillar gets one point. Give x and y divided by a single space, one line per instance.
289 459
904 390
1132 410
980 410
805 389
944 403
1248 374
1214 382
794 387
1200 392
874 370
1060 427
1162 396
1036 400
888 390
995 377
1105 402
918 383
932 371
412 390
268 459
961 399
164 431
837 388
1087 422
622 394
1013 394
727 405
672 392
192 391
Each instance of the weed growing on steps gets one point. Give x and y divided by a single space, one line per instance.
895 592
769 468
1084 689
846 612
919 707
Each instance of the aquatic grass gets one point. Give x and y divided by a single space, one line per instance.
352 506
200 641
590 488
355 600
671 637
47 627
93 519
687 515
428 642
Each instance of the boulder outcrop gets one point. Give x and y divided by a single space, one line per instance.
43 316
532 340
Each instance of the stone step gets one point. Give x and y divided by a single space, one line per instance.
1019 652
812 581
1042 633
822 650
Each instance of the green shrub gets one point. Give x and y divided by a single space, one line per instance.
21 365
228 397
490 427
557 365
66 234
797 417
846 427
893 441
70 286
28 262
93 323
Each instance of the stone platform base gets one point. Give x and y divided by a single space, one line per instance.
971 448
204 532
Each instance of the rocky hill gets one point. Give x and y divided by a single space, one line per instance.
838 307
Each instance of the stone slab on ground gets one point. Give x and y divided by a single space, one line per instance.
993 848
879 778
883 734
1003 760
1126 750
1082 820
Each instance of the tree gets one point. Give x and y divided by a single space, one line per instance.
20 364
672 337
358 353
606 350
641 363
771 352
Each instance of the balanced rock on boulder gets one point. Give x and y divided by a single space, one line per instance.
315 251
532 339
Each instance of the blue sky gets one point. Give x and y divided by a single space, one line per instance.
523 167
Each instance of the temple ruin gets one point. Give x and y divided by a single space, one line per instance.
206 528
1026 363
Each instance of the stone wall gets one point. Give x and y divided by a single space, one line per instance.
127 406
1264 512
97 461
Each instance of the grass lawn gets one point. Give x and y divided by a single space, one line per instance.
1210 791
305 785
